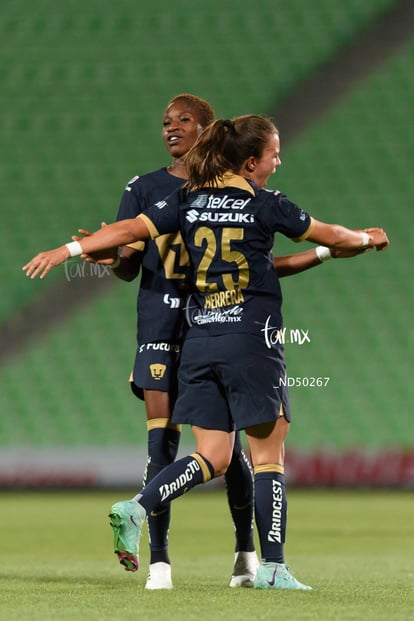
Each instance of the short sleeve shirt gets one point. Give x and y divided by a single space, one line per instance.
164 266
229 234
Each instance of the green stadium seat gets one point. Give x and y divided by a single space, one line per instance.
95 86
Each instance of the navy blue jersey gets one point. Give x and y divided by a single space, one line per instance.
164 262
229 234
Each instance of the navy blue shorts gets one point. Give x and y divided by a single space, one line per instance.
231 382
155 368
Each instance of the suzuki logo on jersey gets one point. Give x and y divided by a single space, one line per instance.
206 216
157 371
240 218
192 215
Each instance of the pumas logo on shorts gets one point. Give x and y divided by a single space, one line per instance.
157 371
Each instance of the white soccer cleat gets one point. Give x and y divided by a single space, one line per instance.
244 570
159 577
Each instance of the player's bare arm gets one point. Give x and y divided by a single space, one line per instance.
292 264
124 262
339 237
111 236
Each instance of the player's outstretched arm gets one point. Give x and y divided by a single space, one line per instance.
111 236
292 264
125 262
105 257
341 238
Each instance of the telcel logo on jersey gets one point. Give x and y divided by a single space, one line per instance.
275 533
224 202
211 201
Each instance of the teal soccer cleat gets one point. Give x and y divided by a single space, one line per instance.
126 520
277 576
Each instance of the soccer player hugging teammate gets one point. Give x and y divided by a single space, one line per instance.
230 370
164 267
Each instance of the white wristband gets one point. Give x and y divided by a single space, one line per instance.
323 253
365 240
75 249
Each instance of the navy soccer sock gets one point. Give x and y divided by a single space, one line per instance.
163 440
271 510
174 480
240 495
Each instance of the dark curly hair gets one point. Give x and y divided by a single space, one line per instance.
203 109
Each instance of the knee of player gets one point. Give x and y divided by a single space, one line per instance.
217 465
220 467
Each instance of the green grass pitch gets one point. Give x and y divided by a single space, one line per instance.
355 549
